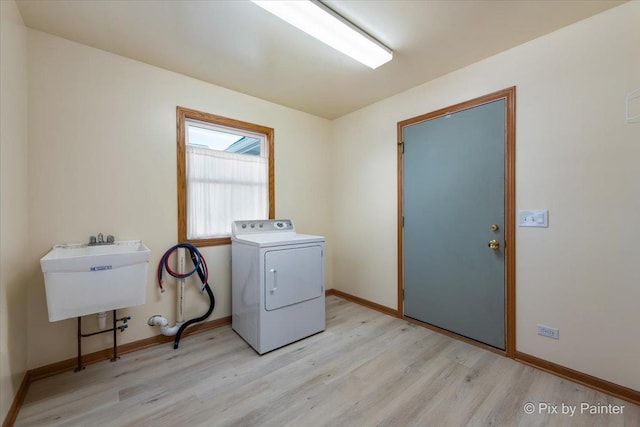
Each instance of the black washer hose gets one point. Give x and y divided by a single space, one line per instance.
200 269
176 341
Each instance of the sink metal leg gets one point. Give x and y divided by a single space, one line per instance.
115 328
79 366
115 346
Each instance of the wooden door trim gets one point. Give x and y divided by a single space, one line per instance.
509 95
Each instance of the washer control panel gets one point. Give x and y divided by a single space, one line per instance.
261 226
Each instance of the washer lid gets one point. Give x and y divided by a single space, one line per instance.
276 239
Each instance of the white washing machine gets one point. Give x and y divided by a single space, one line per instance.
277 283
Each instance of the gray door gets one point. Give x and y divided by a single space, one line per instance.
453 206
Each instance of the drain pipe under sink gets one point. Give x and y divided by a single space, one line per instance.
158 320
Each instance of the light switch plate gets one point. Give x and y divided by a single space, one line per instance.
533 218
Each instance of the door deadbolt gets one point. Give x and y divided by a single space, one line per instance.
495 227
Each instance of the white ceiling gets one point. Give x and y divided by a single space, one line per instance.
240 46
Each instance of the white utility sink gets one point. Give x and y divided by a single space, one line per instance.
81 279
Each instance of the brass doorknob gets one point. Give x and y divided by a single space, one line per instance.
494 244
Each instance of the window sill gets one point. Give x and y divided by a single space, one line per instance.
218 241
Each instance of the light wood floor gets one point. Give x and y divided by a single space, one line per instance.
366 369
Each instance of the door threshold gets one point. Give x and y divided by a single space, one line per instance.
456 336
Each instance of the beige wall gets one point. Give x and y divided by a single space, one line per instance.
575 156
14 233
102 158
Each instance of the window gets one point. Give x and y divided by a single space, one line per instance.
225 173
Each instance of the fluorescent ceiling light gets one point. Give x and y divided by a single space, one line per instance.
317 20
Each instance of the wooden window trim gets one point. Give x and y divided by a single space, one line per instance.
183 114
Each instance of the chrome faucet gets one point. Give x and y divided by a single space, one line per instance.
93 241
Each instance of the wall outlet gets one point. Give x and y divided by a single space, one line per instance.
533 218
546 331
